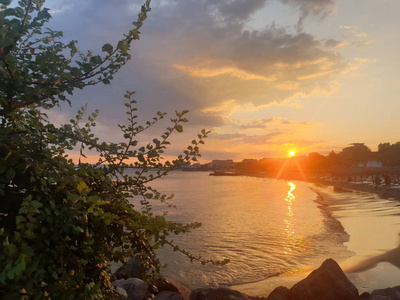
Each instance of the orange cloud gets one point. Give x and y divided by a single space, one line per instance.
287 85
232 71
225 108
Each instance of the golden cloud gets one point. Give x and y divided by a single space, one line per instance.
232 71
287 85
226 108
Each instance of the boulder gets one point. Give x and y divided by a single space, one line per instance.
279 293
163 284
220 293
132 269
134 287
121 293
168 295
328 282
364 296
386 294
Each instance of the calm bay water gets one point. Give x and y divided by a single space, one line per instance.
264 226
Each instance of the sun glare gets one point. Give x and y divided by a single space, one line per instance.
292 153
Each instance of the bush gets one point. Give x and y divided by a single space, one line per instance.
62 223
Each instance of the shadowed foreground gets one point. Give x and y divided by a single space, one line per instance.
328 282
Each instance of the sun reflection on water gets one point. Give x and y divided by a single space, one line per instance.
290 198
289 221
294 242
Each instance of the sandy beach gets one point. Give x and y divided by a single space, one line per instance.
373 223
371 217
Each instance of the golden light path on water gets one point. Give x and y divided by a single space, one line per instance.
289 221
265 227
290 198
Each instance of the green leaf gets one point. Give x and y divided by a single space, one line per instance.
82 187
11 249
27 250
160 221
95 60
73 197
19 219
123 46
10 274
135 34
10 174
141 158
20 267
5 2
179 128
36 204
107 48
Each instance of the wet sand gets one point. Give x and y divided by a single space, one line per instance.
371 216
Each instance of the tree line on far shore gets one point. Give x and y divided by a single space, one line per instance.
357 159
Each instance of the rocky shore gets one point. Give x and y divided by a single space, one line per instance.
328 282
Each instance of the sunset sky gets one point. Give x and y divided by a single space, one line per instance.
265 76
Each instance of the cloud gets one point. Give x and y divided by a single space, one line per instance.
358 62
200 55
352 37
319 8
260 144
226 136
260 133
232 71
236 10
316 7
238 138
272 123
258 67
223 109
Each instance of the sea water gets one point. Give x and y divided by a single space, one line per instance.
373 225
265 227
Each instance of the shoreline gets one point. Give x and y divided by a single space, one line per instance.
370 216
375 264
382 192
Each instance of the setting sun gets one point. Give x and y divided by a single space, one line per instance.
292 153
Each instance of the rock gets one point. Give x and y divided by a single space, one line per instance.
135 288
132 269
168 295
386 294
279 293
365 296
217 294
122 294
174 286
328 282
164 284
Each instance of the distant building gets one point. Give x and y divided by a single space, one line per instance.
226 164
249 161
